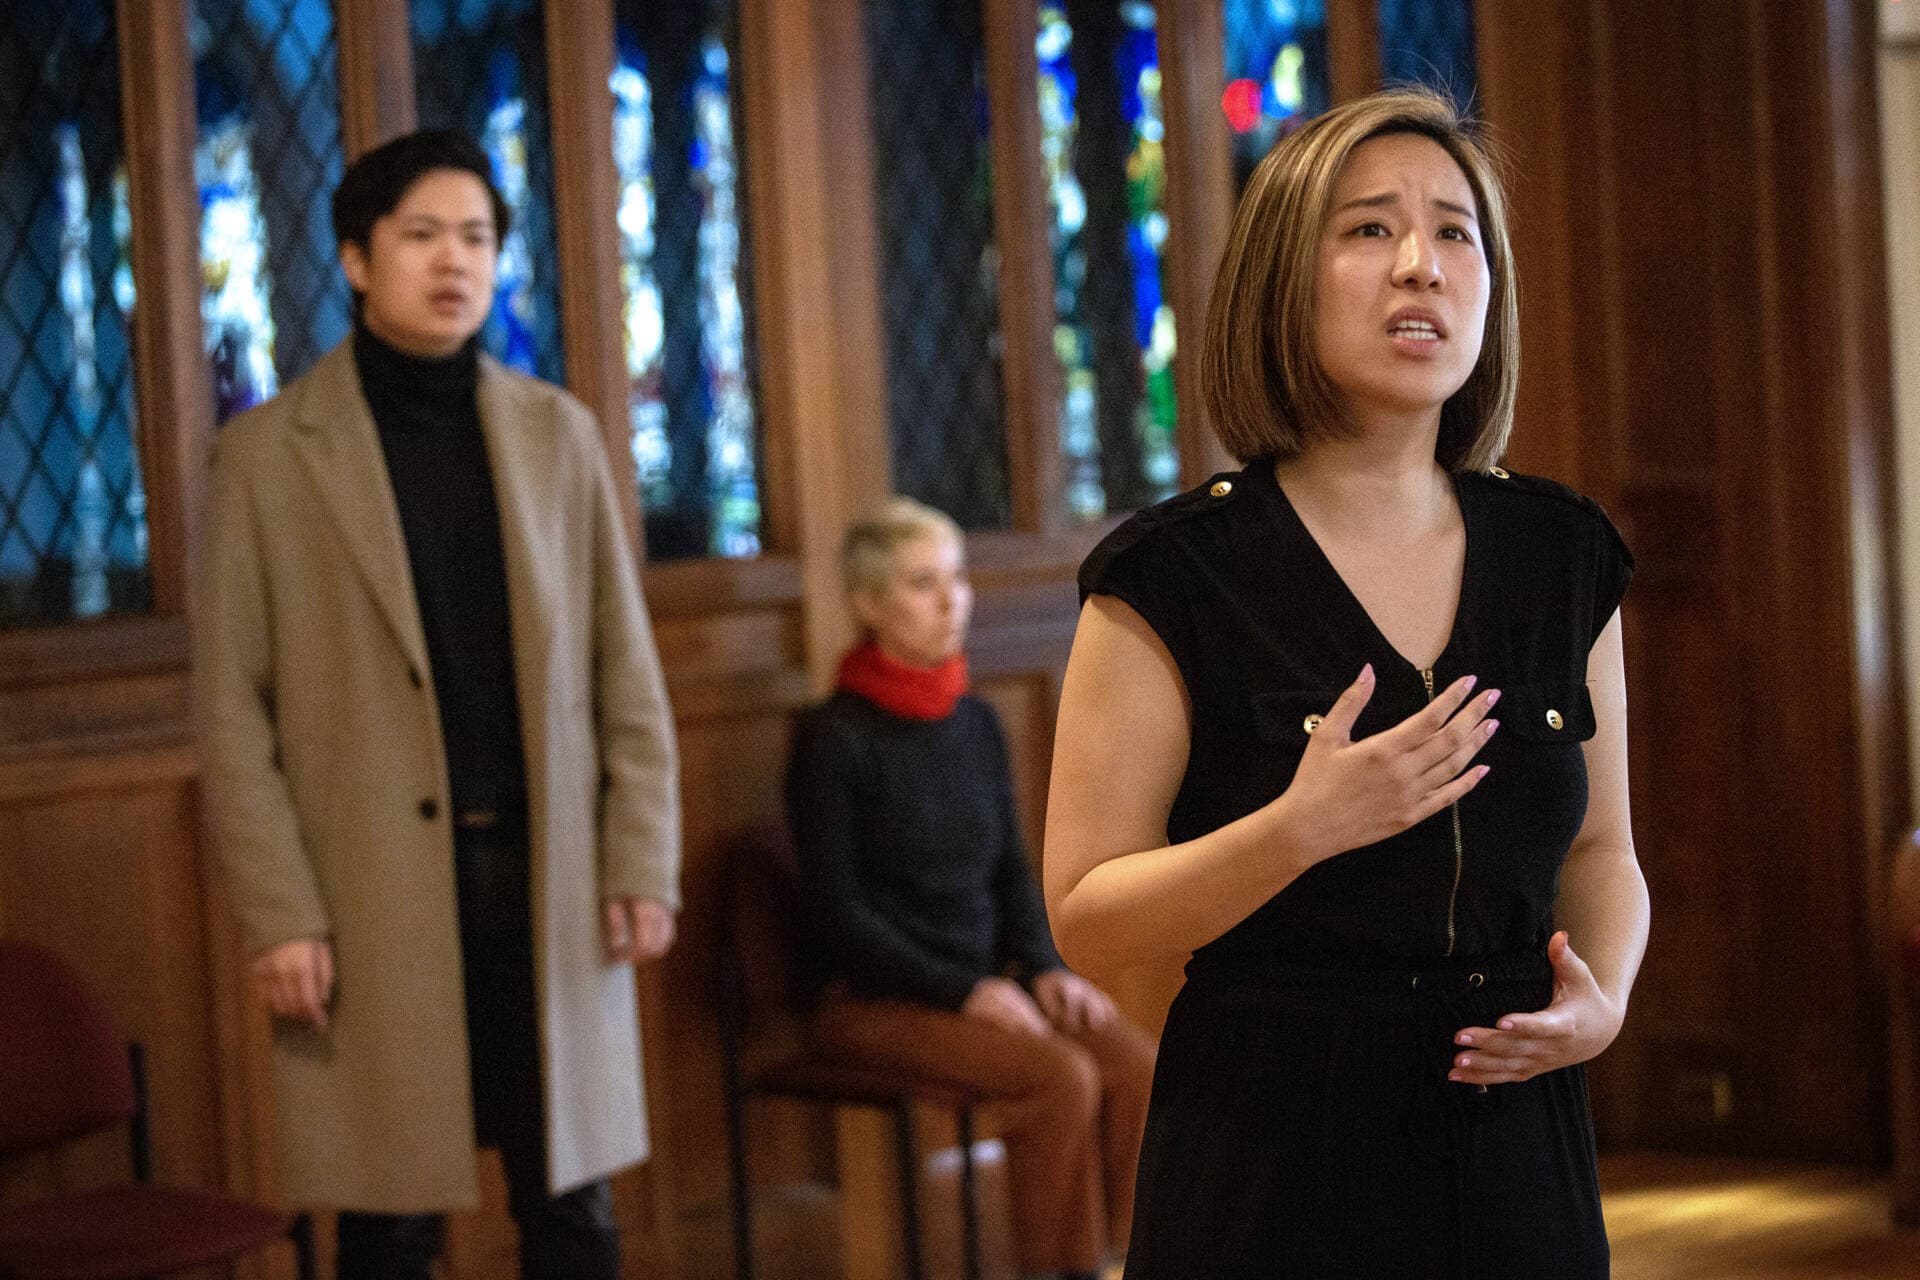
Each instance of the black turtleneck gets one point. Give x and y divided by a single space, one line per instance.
427 412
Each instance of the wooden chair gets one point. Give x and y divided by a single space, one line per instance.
66 1071
764 1055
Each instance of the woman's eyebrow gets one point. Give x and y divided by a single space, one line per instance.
1389 197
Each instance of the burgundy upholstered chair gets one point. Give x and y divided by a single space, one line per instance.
764 1054
67 1071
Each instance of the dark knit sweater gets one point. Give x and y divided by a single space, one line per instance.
428 416
917 876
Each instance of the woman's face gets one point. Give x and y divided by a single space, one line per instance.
427 272
920 616
1400 298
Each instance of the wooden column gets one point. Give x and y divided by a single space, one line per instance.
376 72
1353 48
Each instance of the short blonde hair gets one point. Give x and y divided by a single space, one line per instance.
866 557
1264 386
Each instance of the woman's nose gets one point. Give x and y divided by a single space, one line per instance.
1416 264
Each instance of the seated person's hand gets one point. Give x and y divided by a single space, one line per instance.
638 930
1071 1003
1002 1002
296 979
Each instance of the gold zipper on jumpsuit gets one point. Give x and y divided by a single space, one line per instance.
1459 848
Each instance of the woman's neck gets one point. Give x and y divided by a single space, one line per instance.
1369 482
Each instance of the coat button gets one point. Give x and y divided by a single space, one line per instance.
1221 488
429 809
1499 473
413 677
1555 720
1311 723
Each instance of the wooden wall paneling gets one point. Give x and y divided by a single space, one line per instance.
802 59
376 72
1353 48
1022 230
1200 206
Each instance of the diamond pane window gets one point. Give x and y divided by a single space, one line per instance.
481 66
1277 76
266 86
926 69
73 532
684 278
1429 42
1102 144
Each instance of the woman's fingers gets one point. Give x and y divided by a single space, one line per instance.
1456 733
1345 710
1465 746
1450 793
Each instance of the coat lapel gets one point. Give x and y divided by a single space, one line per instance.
336 440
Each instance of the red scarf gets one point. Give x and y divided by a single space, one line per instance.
918 693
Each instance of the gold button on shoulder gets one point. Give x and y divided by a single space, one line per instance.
1555 720
1221 488
1311 723
1499 473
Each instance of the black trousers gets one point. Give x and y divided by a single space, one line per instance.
567 1237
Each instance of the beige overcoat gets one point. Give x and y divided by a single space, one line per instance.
326 781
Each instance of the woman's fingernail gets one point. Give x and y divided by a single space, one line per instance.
1366 672
1463 1062
1454 1076
1471 682
1491 726
1493 696
1505 1025
1465 1038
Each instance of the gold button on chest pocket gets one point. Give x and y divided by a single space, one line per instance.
1555 720
1311 723
1221 488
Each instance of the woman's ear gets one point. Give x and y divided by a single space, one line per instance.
865 608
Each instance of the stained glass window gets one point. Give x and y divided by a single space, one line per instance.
926 71
1429 42
1276 64
268 159
1102 142
481 66
684 278
73 532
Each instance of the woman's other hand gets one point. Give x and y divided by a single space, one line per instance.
1071 1003
1580 1022
296 979
1002 1002
1347 795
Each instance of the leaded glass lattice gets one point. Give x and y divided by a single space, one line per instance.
1102 145
266 87
684 278
926 73
1430 42
481 66
1277 79
73 532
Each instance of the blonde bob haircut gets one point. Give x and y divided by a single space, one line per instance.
1264 386
866 557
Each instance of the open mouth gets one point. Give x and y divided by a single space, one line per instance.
1415 328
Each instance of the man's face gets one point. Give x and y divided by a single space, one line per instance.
426 274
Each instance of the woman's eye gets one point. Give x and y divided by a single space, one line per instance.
1371 229
1457 233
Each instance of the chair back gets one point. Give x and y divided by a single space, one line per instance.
64 1070
761 920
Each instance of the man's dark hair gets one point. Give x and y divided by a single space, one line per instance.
374 185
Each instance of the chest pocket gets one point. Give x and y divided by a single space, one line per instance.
1544 713
1287 719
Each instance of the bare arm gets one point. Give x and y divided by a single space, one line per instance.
1117 893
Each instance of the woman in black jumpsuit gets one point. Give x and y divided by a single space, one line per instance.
1374 1069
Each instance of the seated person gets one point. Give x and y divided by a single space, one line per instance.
931 941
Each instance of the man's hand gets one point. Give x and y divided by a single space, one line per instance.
1071 1003
296 979
1002 1002
638 930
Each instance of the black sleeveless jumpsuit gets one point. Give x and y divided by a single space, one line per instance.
1302 1124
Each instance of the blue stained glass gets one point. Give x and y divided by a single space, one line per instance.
266 88
73 533
1277 77
683 272
1103 151
480 66
1430 42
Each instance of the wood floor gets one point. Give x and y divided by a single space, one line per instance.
1669 1218
1672 1218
